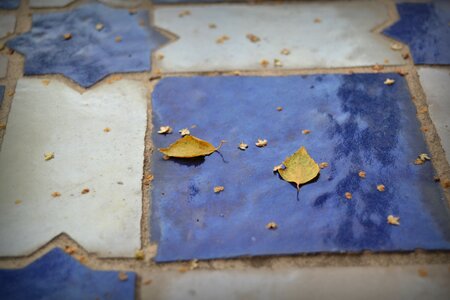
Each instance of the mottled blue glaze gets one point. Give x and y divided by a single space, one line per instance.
424 28
356 122
89 55
2 94
58 276
9 4
194 1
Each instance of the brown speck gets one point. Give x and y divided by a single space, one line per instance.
132 11
306 131
271 226
184 13
405 55
147 282
160 56
264 63
381 188
184 132
18 201
113 78
123 276
67 36
85 191
253 38
436 179
377 67
218 189
386 61
118 39
141 22
446 183
418 161
242 146
148 178
70 249
392 220
317 20
49 156
166 157
424 129
222 39
362 174
423 109
45 82
348 195
82 259
2 126
279 108
139 254
422 272
10 93
106 129
402 73
56 194
212 26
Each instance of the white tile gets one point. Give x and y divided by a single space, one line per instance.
50 3
7 25
436 84
343 38
123 3
56 118
346 283
3 65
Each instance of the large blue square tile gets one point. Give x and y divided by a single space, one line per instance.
357 123
57 276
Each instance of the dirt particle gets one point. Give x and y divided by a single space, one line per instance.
389 81
139 254
362 174
261 143
184 131
118 39
405 55
392 220
222 39
123 276
45 82
147 282
85 191
253 38
18 201
184 13
70 249
277 63
381 188
306 131
422 272
317 20
243 146
99 26
285 51
402 73
165 130
212 25
348 195
67 36
396 46
56 194
148 178
218 189
271 226
323 165
377 67
264 63
279 108
49 156
423 109
106 129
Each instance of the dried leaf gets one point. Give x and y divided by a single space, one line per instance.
218 189
165 130
243 146
56 194
389 81
362 174
306 131
323 165
271 226
348 195
189 146
261 143
49 155
285 51
253 38
264 63
381 187
184 131
300 168
393 220
85 191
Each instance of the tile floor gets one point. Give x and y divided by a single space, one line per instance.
90 209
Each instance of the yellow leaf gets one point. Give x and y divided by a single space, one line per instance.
189 146
299 168
393 220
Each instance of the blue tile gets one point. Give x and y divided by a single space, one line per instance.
89 55
194 1
9 4
58 276
424 27
2 94
356 122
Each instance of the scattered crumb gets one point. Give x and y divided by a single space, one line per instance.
45 82
184 13
243 146
396 46
402 73
212 25
123 276
148 178
253 38
99 26
285 51
264 63
118 39
184 132
218 189
317 20
183 269
106 129
405 55
67 36
422 272
279 108
11 93
348 195
278 167
85 191
18 201
139 254
381 188
377 67
261 143
323 165
165 130
236 73
222 39
56 194
271 226
362 174
49 156
418 161
70 249
389 81
393 220
277 63
306 131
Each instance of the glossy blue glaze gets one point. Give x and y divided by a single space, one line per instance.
2 94
424 28
9 4
356 122
89 55
58 276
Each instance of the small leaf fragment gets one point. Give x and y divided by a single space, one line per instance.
253 38
67 36
85 191
184 131
271 226
261 143
389 81
49 155
306 131
189 146
424 156
218 189
393 220
165 130
243 146
222 39
381 188
56 194
362 174
323 165
300 168
348 195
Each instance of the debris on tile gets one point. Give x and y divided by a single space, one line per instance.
123 276
184 13
285 51
424 156
405 55
70 249
99 26
323 165
396 46
45 82
278 167
2 126
377 67
271 226
243 146
85 191
148 178
279 108
49 156
446 183
188 147
264 63
193 264
165 130
381 187
362 174
118 39
306 131
348 195
300 168
184 131
67 36
218 189
222 39
139 254
147 282
422 272
317 20
18 201
393 220
56 194
212 25
253 38
389 81
261 143
106 129
277 63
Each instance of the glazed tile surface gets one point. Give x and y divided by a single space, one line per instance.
425 28
57 275
2 93
104 219
436 84
7 24
3 65
90 54
356 122
50 3
124 3
345 26
9 4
